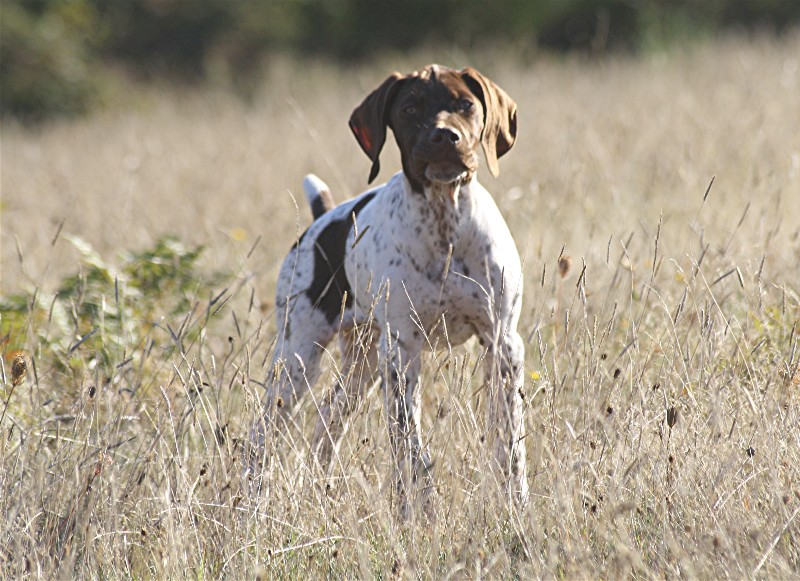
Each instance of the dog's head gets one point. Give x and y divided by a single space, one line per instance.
438 116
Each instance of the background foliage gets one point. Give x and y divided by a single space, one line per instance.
55 54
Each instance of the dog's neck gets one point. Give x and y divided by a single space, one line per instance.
445 194
440 211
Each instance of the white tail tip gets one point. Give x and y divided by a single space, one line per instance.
314 187
318 195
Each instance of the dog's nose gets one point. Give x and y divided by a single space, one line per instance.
441 135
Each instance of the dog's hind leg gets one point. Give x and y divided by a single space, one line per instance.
359 369
295 368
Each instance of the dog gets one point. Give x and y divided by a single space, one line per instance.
423 262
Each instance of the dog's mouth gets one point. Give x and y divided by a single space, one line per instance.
442 165
448 167
447 172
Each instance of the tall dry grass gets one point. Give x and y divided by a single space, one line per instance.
663 383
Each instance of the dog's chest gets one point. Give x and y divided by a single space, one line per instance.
431 254
453 307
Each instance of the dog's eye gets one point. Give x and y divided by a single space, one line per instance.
410 110
464 105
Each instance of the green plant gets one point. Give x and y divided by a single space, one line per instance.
111 311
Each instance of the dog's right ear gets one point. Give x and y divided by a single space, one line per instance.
370 119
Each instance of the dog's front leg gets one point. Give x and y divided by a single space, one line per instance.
505 379
401 389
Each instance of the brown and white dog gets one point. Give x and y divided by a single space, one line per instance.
422 262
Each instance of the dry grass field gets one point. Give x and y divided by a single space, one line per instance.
663 358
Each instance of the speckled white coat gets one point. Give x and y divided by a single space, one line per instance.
423 271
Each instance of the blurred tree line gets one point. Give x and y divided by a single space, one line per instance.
53 53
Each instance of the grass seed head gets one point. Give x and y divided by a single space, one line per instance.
564 265
672 416
19 368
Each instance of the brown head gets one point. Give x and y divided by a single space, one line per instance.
438 116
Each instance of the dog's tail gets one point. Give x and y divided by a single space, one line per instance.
318 195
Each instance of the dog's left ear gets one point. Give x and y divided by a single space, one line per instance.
500 117
370 119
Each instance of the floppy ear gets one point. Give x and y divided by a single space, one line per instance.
370 119
500 117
